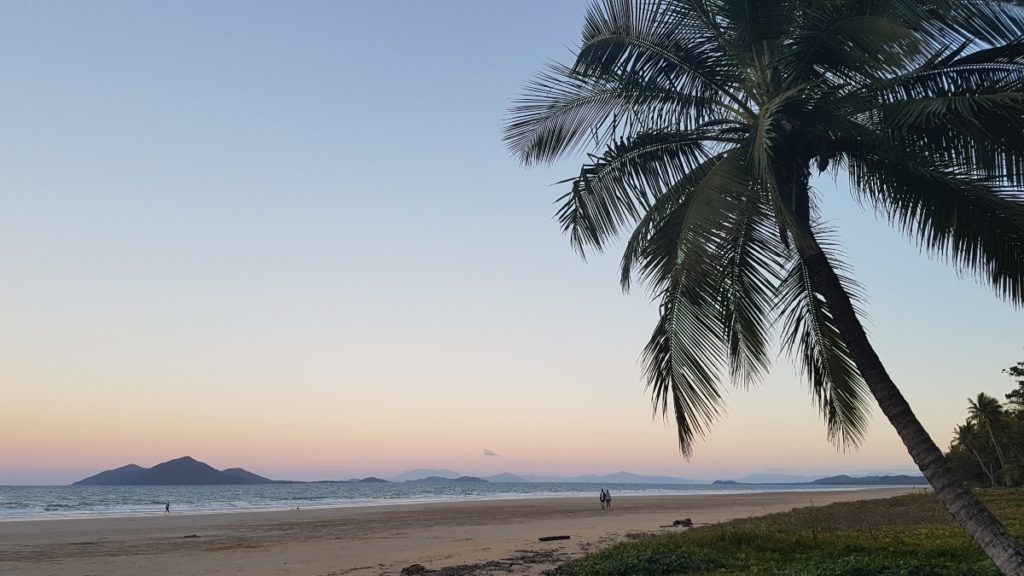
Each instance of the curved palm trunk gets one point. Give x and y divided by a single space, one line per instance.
986 469
979 523
962 436
999 452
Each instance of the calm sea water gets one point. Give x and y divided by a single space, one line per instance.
35 502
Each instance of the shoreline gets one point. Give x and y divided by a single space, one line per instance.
509 497
374 539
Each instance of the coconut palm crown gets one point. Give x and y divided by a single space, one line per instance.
703 121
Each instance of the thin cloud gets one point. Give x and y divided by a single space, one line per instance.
490 452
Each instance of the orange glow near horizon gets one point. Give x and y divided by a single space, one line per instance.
271 432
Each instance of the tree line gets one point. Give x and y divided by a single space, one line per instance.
988 448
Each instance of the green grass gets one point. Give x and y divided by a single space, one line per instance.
904 536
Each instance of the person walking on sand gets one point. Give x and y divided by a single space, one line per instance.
604 498
167 508
607 498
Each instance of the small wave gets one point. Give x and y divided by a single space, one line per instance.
21 503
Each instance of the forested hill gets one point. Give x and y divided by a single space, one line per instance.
177 472
900 480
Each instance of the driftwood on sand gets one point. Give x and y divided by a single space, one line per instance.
684 523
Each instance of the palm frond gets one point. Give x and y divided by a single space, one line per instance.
686 351
683 377
563 111
650 251
975 223
716 295
654 40
810 336
964 110
751 255
851 41
771 120
614 190
993 22
684 227
760 22
685 354
950 72
977 135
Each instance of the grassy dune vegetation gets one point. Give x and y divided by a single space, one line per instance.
904 536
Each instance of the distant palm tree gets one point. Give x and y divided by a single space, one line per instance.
986 412
705 119
964 437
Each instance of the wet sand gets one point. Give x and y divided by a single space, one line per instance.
491 537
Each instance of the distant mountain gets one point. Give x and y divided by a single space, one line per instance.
177 472
372 480
616 478
245 476
504 477
630 478
901 480
443 480
623 477
421 473
776 478
117 477
846 480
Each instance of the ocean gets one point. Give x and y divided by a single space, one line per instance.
41 502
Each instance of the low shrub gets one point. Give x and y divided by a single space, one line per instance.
904 536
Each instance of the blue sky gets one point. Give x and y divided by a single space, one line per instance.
288 237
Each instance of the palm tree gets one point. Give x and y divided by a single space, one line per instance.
964 437
704 119
986 413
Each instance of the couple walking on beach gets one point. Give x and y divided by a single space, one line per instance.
606 499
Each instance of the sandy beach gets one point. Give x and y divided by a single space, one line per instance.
490 537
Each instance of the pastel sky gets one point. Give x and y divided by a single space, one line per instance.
287 237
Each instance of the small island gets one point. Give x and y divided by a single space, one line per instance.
842 480
443 480
182 471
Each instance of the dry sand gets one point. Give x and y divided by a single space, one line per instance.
496 537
